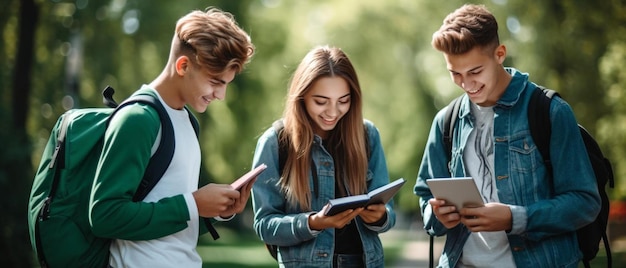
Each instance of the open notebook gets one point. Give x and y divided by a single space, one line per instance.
380 195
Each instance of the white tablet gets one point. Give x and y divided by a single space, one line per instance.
460 192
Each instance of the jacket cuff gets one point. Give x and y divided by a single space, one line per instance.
519 219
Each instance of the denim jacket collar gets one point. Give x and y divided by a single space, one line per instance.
511 94
515 88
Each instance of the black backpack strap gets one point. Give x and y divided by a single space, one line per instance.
161 159
607 247
283 150
540 129
449 122
196 128
278 126
539 122
194 122
431 252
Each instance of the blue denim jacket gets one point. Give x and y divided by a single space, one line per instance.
279 223
544 222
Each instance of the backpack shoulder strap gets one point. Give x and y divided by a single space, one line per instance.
160 160
449 122
107 99
368 150
278 126
194 122
539 122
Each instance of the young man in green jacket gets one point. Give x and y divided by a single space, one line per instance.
207 51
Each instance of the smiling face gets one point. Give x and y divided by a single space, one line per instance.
479 72
198 87
326 102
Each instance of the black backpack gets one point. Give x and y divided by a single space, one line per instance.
590 235
283 150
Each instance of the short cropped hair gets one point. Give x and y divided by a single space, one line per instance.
467 27
215 41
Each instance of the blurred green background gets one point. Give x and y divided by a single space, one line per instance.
57 55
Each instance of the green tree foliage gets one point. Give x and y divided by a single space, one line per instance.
577 47
611 126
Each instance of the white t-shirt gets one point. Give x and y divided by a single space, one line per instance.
178 249
484 249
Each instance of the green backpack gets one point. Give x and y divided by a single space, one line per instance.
58 209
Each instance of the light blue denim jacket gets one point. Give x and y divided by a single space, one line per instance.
279 223
544 223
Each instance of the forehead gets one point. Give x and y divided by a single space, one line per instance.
467 61
329 87
225 77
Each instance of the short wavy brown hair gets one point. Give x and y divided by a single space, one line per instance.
214 39
467 27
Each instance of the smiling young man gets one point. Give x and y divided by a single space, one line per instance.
207 51
528 220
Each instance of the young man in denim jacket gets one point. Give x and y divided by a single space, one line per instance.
528 220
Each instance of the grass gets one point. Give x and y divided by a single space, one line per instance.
619 259
243 248
234 249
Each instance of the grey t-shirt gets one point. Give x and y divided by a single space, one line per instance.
484 249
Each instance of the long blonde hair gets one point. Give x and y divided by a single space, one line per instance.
346 143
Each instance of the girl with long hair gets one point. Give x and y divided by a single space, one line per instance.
321 149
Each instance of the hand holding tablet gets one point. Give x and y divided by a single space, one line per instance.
460 192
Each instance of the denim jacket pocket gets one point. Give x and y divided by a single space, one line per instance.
523 153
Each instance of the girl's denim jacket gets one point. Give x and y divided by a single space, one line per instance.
544 216
279 223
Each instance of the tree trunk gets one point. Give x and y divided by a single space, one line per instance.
16 176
